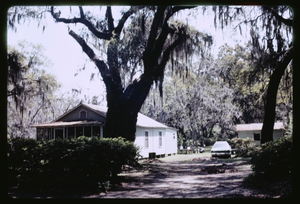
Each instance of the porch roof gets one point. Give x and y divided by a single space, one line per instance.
63 124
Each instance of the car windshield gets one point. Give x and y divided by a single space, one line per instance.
220 145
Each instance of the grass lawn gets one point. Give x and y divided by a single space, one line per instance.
206 153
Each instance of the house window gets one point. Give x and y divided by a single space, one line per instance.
83 114
146 139
256 136
174 135
160 138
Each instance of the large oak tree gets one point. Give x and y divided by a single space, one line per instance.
163 37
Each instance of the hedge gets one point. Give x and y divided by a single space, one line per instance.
274 159
68 166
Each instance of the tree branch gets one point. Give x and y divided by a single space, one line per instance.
125 16
110 19
81 12
166 55
288 22
159 33
84 21
90 53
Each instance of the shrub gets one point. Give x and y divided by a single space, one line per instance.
273 159
69 166
272 168
243 146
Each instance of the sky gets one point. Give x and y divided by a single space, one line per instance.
68 57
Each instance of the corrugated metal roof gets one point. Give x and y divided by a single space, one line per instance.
257 126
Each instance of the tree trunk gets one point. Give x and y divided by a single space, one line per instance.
269 118
122 113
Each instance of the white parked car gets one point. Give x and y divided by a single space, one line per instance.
221 148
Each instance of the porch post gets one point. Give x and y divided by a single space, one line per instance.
64 136
83 131
101 132
91 130
67 130
54 133
74 131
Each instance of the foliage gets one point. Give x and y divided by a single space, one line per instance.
30 90
274 159
272 168
249 83
271 52
198 106
244 146
67 166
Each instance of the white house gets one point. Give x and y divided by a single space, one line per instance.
254 131
152 137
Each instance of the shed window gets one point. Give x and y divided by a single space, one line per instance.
256 136
146 139
160 138
83 114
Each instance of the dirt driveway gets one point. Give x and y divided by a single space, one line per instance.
196 177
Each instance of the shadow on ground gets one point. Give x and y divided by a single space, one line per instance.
198 178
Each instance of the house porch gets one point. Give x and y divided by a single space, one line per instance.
65 130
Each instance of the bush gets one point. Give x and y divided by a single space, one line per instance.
273 159
272 168
69 166
243 146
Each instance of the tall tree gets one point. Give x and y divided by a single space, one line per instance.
163 38
277 54
30 90
271 52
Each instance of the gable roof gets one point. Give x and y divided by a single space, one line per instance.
95 108
142 120
257 126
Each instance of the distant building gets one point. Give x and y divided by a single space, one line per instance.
254 131
152 137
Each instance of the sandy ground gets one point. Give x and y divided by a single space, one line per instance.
184 176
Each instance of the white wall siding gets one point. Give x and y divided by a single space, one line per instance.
168 146
250 134
140 141
171 141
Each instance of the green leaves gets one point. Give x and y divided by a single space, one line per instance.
274 159
30 90
68 165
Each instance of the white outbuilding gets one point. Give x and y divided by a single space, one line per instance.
253 131
152 137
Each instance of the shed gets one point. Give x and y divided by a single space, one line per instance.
253 131
152 137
